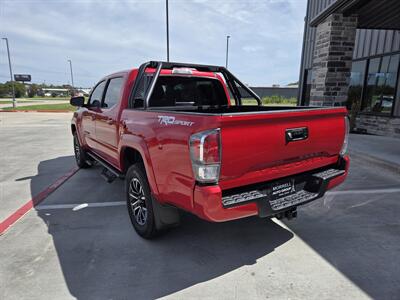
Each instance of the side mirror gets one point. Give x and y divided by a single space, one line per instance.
77 101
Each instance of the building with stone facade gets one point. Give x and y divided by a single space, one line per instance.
351 57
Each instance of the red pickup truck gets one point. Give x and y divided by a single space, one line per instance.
194 138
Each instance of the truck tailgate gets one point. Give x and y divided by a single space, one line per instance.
255 146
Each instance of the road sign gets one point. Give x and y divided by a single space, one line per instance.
22 77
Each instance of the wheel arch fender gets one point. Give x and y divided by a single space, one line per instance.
133 149
75 128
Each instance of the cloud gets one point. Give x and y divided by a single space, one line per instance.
101 37
251 48
33 34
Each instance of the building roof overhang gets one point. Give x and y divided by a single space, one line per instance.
372 14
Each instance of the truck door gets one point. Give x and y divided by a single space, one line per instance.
89 116
107 120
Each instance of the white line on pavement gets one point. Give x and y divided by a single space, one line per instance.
373 191
80 206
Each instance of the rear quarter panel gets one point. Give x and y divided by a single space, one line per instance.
165 148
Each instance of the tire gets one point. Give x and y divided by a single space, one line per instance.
80 154
139 202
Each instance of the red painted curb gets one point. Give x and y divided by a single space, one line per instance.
37 110
20 212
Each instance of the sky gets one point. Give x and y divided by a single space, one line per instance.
102 37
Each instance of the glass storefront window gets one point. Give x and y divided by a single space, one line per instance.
356 84
396 112
381 84
391 78
372 79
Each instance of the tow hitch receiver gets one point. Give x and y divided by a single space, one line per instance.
289 214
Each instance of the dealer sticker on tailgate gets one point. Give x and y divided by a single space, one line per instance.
282 189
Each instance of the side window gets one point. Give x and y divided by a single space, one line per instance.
113 92
141 91
95 98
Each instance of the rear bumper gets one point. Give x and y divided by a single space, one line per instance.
209 200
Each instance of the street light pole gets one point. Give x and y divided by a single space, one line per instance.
166 4
72 76
14 102
227 50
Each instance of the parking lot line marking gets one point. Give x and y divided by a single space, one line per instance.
72 206
372 191
80 206
34 202
20 212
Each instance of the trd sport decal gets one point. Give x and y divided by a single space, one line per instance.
169 120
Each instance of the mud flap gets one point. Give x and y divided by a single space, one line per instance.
165 216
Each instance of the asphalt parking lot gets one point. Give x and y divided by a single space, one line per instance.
79 243
27 139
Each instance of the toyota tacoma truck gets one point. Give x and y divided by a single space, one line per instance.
195 138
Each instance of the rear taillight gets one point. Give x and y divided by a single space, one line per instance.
205 153
345 145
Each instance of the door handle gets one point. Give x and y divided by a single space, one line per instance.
93 117
110 121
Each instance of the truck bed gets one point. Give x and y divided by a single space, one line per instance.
253 138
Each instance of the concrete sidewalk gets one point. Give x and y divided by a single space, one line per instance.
381 150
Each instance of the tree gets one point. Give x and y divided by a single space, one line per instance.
6 89
3 90
20 90
33 90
